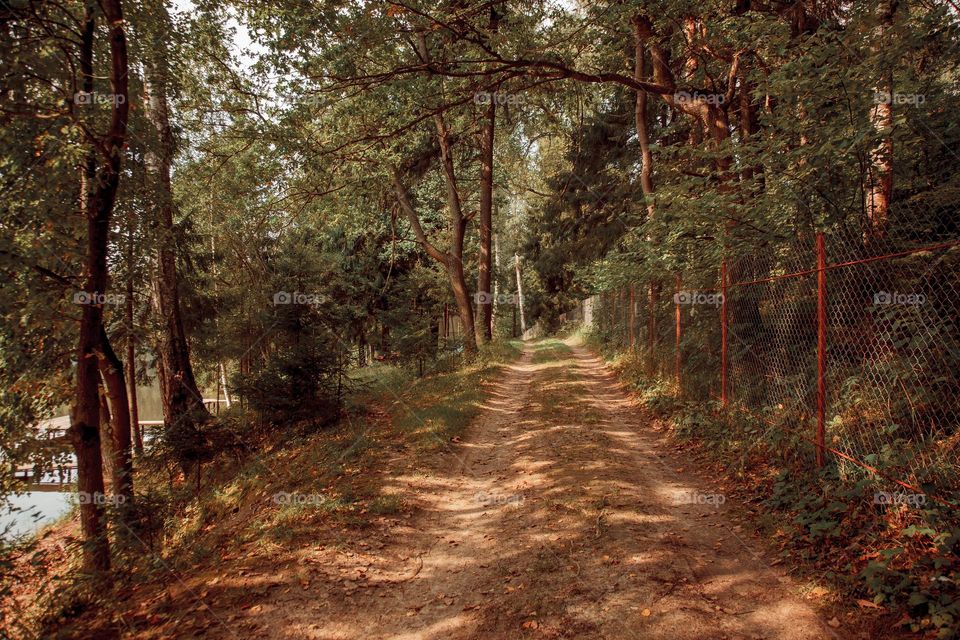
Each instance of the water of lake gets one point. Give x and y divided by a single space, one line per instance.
27 512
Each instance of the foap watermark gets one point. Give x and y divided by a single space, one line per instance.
297 297
98 298
884 97
483 297
699 497
100 499
498 499
698 297
499 99
893 297
91 97
700 96
896 499
300 499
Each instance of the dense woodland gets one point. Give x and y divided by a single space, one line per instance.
268 199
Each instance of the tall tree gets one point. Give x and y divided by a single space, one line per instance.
484 268
183 408
452 259
879 187
121 467
101 177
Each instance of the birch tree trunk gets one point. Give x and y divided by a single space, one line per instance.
496 284
131 345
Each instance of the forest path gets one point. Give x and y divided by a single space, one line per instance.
560 515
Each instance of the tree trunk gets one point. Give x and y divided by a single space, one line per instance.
106 437
496 285
221 367
646 173
99 188
183 408
485 306
640 117
131 345
453 260
880 177
880 174
122 465
523 319
653 300
223 382
749 126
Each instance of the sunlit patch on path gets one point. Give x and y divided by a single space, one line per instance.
559 515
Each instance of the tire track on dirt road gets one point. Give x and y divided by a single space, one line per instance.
561 514
564 516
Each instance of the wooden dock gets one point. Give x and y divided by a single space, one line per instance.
56 429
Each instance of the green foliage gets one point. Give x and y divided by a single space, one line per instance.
295 384
283 185
438 408
903 557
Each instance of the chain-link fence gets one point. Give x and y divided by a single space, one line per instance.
834 347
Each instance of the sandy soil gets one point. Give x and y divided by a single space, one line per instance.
561 514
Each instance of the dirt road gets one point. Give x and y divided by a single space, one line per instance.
560 515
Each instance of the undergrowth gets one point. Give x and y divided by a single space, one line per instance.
273 490
899 559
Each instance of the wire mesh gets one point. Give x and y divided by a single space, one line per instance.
891 369
893 361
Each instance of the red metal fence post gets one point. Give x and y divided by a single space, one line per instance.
653 297
625 313
821 348
724 399
612 313
602 317
676 313
621 329
614 325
